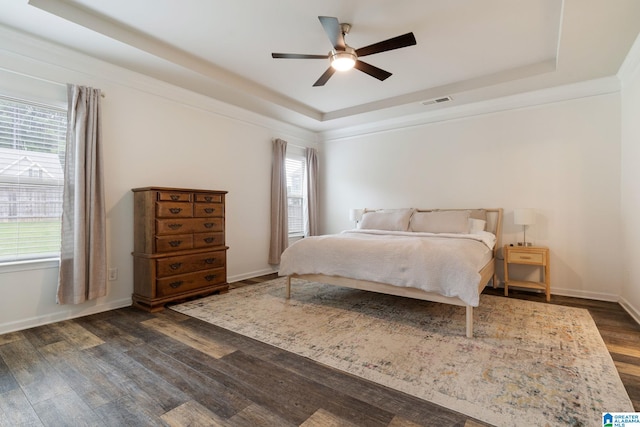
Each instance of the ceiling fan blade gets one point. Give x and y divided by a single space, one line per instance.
334 31
298 56
325 77
389 44
376 72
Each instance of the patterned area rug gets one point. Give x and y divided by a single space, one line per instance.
529 363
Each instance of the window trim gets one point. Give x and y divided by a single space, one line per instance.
31 264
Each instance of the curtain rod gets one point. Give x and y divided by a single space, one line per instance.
294 145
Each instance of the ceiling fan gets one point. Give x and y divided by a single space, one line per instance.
343 57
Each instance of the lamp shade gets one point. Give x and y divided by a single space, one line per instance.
524 216
343 60
355 214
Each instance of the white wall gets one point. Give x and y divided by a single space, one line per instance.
630 183
154 135
562 158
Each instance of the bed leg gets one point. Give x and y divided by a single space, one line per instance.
469 321
288 292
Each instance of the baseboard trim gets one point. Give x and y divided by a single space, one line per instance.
32 322
633 312
257 273
59 316
599 296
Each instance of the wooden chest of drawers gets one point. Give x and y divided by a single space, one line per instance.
179 245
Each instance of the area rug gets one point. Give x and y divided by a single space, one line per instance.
528 364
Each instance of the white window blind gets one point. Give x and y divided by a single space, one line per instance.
295 169
32 143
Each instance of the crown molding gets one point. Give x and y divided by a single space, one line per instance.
244 90
37 58
584 89
630 68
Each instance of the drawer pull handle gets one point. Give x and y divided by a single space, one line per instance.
209 260
175 265
209 210
175 210
176 284
174 197
175 243
208 198
208 224
174 226
525 257
209 239
210 277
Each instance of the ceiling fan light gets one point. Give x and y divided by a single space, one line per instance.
343 60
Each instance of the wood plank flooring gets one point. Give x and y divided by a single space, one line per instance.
129 367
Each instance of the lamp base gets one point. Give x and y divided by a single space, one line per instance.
525 244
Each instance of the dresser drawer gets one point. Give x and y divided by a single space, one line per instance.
203 225
525 257
186 282
189 225
189 263
174 210
202 240
176 242
174 196
208 198
174 226
208 209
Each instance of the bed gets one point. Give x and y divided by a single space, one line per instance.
441 255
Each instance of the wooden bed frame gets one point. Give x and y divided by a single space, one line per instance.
494 224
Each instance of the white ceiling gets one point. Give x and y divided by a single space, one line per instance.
470 50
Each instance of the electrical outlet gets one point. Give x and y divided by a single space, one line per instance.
113 274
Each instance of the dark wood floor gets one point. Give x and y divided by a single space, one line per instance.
129 367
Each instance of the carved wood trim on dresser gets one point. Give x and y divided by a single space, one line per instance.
179 245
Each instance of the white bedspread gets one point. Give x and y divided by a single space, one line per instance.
448 264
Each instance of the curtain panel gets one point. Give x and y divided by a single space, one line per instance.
279 215
83 260
311 156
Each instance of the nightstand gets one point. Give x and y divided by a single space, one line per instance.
529 255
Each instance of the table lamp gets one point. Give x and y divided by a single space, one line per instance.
356 215
524 217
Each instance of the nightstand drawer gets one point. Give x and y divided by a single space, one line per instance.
525 257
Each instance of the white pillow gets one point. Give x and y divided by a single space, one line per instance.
476 225
441 222
391 220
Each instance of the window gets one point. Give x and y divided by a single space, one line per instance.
296 193
32 143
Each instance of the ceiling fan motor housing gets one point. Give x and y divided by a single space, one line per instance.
345 28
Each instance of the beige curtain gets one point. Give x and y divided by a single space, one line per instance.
83 252
311 156
279 217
